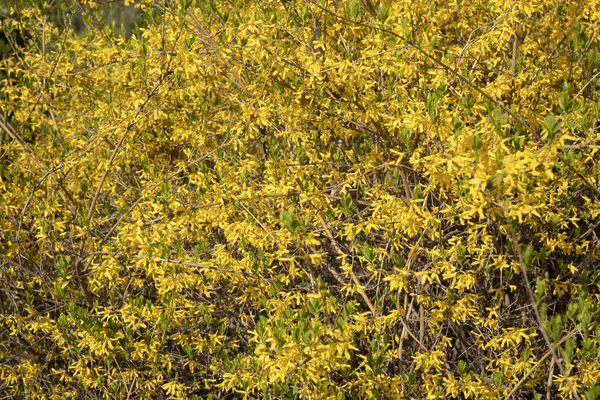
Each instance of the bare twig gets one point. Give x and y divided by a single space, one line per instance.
359 288
586 85
540 361
211 267
583 178
549 382
259 223
403 333
435 60
119 144
208 39
538 316
513 64
130 388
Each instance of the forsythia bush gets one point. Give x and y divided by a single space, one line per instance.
324 199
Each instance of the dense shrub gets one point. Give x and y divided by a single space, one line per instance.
302 199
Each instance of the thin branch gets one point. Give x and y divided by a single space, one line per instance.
353 276
445 66
586 85
515 51
120 143
211 267
540 361
538 316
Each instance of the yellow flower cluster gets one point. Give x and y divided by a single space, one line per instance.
336 199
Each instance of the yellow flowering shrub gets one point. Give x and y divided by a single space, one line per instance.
321 199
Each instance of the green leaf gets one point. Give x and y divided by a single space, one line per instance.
528 255
382 12
289 221
592 393
346 202
353 8
368 252
314 306
497 378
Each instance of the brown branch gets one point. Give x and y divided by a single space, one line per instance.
540 361
445 66
359 288
211 267
208 39
513 64
119 144
538 316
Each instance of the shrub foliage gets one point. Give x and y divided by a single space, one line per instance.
302 199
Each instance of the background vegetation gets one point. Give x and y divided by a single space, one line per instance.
300 199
